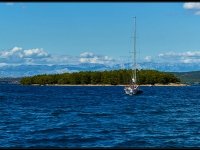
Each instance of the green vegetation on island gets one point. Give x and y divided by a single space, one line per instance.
192 77
113 77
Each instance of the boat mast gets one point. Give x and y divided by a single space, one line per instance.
134 52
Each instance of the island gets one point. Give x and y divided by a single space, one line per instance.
105 78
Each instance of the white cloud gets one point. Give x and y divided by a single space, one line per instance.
37 56
19 55
183 54
15 51
88 57
148 58
61 60
184 57
189 60
191 5
195 6
192 57
35 53
87 54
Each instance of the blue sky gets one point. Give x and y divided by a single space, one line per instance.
59 33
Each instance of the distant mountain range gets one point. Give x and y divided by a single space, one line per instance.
30 70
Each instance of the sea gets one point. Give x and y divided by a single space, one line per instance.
99 117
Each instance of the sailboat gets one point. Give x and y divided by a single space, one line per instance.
133 88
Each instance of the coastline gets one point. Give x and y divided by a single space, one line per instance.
171 84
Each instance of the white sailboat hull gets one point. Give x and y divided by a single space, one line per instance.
132 91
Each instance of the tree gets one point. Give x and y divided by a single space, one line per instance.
113 77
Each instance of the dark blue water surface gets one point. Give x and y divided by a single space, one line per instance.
80 116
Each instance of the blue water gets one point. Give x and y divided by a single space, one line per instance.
74 117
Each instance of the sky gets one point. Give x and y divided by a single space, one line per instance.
98 32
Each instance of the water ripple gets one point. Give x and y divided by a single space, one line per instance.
73 117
